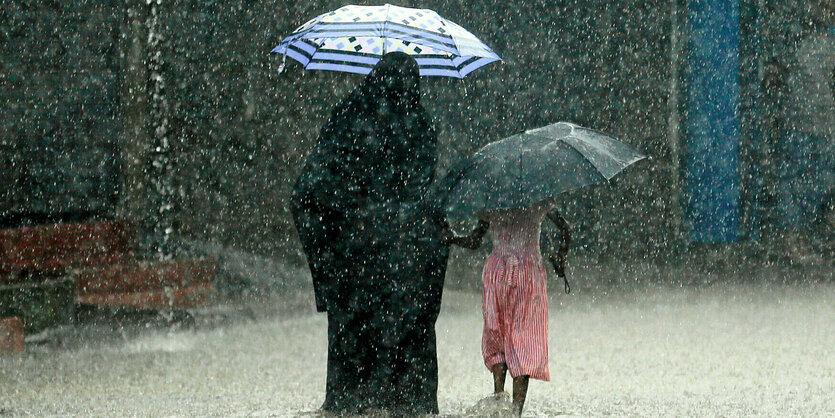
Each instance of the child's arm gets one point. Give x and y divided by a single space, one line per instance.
558 258
472 241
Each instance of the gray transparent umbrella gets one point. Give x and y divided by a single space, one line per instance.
533 166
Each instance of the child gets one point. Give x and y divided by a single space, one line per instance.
515 303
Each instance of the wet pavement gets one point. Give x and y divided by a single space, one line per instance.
720 350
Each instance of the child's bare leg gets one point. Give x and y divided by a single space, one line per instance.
520 391
499 375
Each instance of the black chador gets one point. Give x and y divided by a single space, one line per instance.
366 225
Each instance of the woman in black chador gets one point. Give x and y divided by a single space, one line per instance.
371 237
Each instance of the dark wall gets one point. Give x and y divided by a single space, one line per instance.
59 100
244 129
240 131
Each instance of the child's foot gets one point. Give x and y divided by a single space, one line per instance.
501 396
494 405
517 410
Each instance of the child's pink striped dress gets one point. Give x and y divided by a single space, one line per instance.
515 303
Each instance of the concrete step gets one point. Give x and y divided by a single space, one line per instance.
11 335
165 284
182 297
145 275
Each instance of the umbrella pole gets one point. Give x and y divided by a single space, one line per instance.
385 28
283 60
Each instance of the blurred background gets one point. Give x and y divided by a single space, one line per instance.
171 118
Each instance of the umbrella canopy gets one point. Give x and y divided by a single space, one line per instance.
530 167
353 38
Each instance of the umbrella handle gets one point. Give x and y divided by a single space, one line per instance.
283 60
560 270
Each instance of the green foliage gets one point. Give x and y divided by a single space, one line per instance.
40 304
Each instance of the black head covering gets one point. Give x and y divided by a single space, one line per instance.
378 134
395 80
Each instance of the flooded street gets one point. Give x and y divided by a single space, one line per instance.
177 176
715 351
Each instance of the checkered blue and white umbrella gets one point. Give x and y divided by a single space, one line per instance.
354 38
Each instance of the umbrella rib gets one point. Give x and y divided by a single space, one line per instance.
335 30
444 50
621 168
385 28
585 157
588 160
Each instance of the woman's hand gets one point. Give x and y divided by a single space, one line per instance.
473 241
559 268
446 235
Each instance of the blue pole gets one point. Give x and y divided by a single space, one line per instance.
711 161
